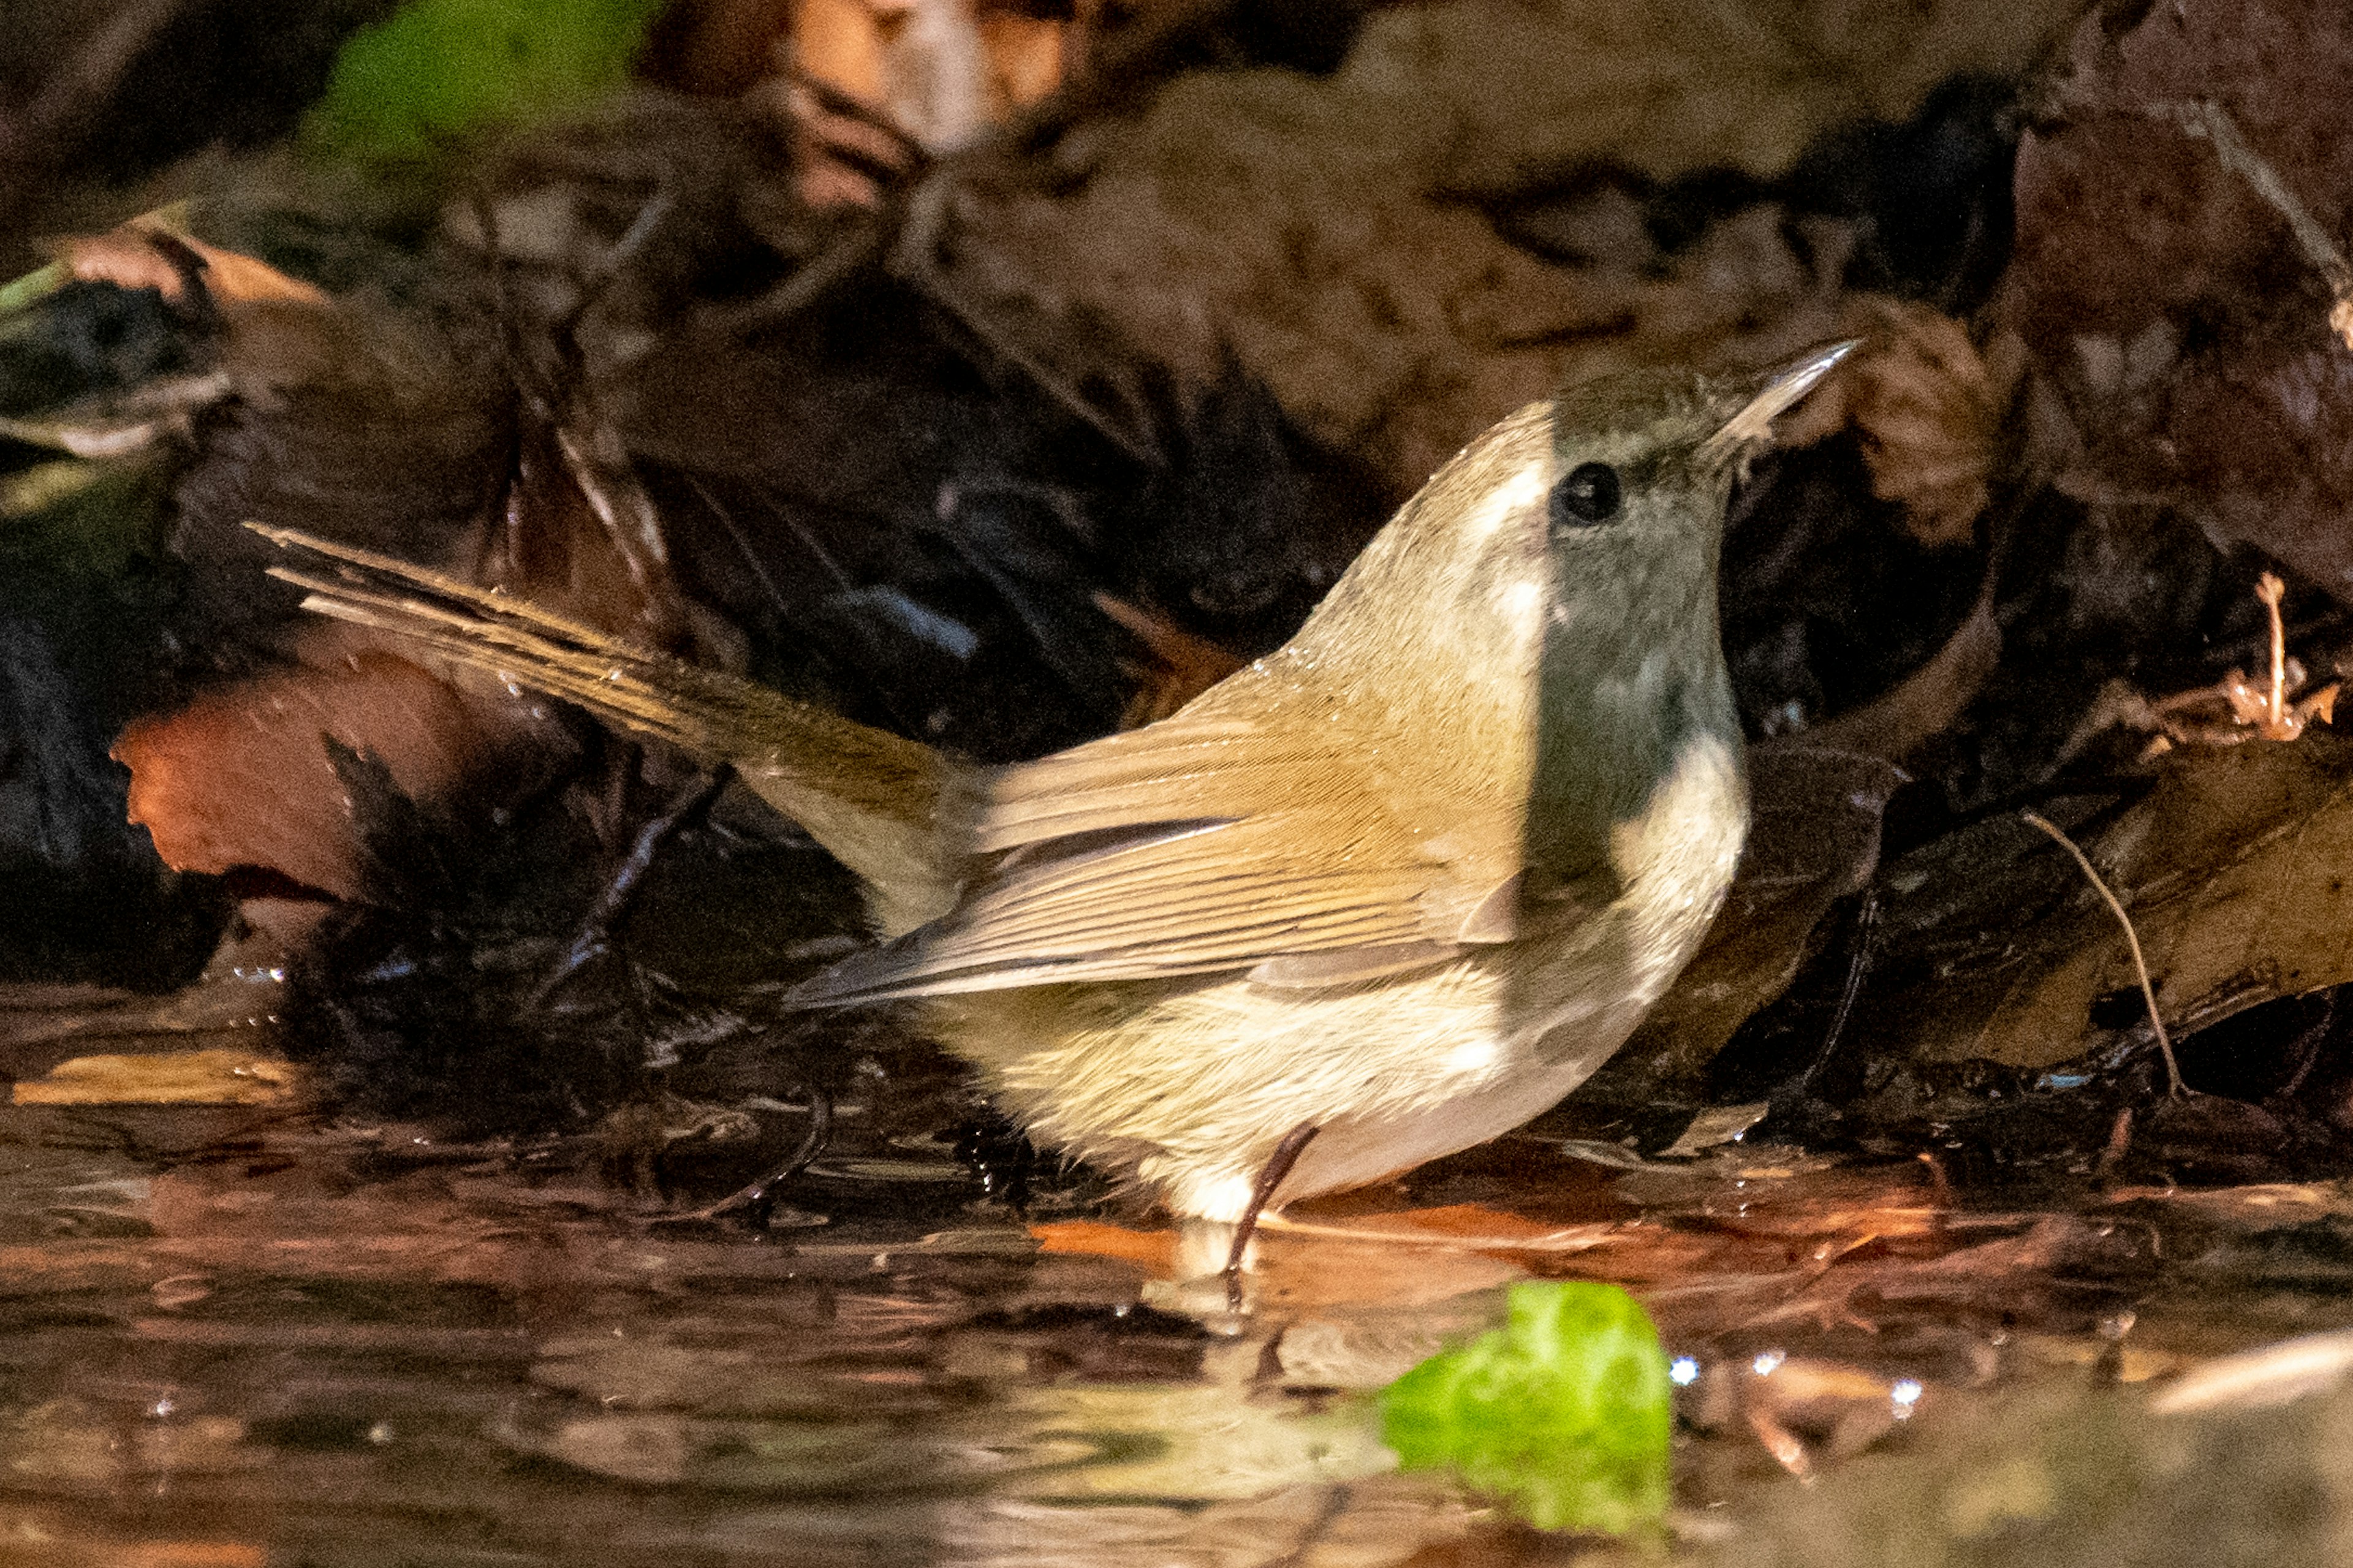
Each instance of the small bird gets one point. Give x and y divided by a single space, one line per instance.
1380 896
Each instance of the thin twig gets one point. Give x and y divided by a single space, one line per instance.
605 270
2268 588
2306 1048
1857 964
2132 940
757 1200
595 936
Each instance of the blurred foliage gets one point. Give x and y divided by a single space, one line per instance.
440 69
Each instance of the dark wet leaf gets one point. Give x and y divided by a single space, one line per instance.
2172 303
1995 947
1813 839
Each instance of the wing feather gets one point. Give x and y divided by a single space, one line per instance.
1182 904
1209 842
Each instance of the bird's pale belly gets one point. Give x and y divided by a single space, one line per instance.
1188 1084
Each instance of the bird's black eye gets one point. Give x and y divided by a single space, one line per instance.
1587 494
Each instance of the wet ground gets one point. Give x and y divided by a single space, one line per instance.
249 1336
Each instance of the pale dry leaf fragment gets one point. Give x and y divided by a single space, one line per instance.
165 1078
150 253
923 65
935 71
1929 408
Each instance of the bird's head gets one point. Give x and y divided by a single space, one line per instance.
1595 515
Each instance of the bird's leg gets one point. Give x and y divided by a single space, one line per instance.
595 934
1269 1176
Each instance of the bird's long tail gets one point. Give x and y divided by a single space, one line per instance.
870 797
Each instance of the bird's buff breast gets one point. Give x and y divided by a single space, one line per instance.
1188 1084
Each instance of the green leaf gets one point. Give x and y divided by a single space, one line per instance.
1565 1412
404 90
20 293
98 519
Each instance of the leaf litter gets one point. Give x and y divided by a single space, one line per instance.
1065 358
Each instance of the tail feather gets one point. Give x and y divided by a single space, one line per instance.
870 797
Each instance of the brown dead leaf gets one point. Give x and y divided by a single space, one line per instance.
2233 868
840 43
1515 90
165 1078
1027 55
1275 223
1929 409
2169 300
1313 230
241 776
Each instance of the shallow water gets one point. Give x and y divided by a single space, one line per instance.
241 1336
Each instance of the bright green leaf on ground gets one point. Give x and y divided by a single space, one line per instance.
439 70
1564 1412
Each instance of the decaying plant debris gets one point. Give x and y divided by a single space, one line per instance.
1008 424
1023 430
1004 374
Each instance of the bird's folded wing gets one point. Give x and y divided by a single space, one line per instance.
1192 846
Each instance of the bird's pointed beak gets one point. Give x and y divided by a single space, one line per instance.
1777 391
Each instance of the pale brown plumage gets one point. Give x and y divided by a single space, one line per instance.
1410 878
